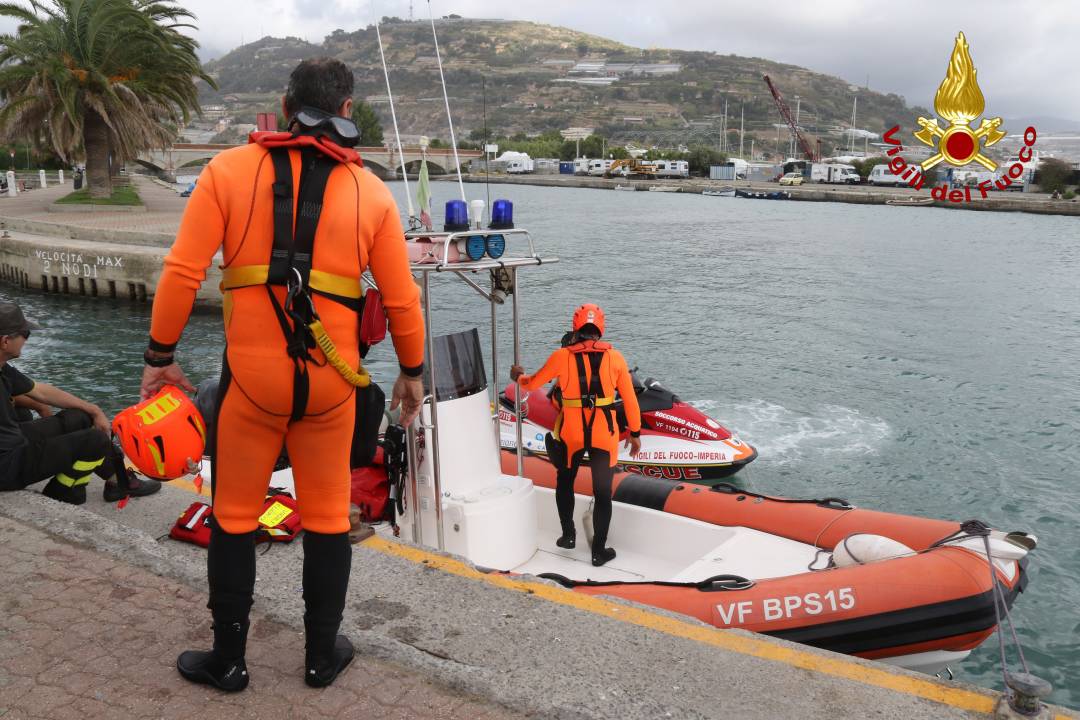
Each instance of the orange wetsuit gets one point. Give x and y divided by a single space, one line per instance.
231 210
573 421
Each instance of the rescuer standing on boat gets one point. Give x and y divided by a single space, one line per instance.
297 220
589 372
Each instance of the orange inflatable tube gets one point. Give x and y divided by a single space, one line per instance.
939 599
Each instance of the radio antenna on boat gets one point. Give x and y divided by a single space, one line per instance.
397 135
446 99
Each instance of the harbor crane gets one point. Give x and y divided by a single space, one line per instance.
785 112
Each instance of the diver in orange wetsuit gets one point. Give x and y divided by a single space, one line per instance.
297 220
589 372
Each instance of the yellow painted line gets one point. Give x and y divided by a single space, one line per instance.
929 690
190 487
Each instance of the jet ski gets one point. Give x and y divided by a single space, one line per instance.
678 441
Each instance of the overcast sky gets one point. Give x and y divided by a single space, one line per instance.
1025 51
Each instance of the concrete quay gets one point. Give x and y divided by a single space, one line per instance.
1038 203
99 252
98 602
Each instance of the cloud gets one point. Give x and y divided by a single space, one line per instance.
1024 51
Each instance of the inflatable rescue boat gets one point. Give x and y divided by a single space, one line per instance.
678 441
910 591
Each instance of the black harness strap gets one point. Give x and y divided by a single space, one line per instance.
315 172
281 254
290 259
590 390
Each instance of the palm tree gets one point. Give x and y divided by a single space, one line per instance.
107 78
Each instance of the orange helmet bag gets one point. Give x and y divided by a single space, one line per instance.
161 434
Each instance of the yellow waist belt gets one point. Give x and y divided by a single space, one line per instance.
579 403
251 275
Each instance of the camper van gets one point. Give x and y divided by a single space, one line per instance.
599 168
834 173
882 175
672 168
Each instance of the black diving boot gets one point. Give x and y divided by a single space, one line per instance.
224 666
568 539
601 555
327 562
230 570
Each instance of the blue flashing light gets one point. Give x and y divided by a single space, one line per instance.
457 216
502 215
495 246
474 247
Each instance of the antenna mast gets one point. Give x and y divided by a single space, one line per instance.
397 135
446 99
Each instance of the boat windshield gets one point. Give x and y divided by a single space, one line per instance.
459 365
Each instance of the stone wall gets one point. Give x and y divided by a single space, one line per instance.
92 268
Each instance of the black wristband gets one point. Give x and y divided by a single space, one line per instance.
415 371
158 362
161 347
636 433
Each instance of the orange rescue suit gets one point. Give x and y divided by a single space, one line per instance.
573 421
231 210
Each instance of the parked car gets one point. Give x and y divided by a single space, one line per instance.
792 178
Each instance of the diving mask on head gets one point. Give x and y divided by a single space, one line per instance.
312 121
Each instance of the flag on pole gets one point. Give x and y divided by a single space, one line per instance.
423 195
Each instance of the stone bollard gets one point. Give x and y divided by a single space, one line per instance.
1023 698
11 189
60 174
41 178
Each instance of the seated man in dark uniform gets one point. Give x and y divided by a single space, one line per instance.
68 446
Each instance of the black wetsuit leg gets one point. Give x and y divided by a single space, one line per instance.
564 493
602 476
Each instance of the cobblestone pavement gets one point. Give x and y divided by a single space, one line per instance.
83 635
163 208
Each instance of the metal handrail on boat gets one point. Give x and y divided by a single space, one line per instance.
500 287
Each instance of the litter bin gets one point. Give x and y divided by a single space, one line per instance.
77 178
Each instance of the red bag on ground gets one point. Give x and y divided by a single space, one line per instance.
193 525
370 492
279 521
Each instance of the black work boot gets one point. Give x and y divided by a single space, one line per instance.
327 562
224 666
230 570
58 491
128 484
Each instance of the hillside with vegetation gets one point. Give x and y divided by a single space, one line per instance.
530 76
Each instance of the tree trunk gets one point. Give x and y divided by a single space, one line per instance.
96 142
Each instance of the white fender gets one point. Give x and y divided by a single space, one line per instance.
862 548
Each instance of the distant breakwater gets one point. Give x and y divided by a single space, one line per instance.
817 192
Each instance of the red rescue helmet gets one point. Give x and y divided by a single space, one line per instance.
159 435
589 314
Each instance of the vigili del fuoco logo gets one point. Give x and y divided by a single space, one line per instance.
959 101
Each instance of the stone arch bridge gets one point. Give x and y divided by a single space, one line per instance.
384 162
